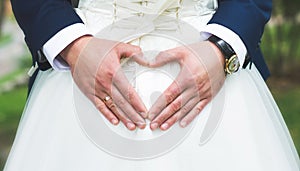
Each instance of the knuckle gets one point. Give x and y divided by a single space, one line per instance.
174 119
137 48
101 107
208 99
175 106
108 70
185 109
202 75
110 73
120 102
118 46
205 92
169 97
121 116
199 78
126 119
134 116
103 83
171 94
131 95
199 87
208 95
161 118
202 105
199 108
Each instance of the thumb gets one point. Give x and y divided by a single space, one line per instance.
134 52
128 50
163 58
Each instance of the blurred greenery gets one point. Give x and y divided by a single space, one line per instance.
288 101
281 48
287 96
10 76
5 39
2 12
9 119
281 39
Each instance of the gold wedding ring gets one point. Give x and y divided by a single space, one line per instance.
108 102
107 98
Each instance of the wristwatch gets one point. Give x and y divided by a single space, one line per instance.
232 63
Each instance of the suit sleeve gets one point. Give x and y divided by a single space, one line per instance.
246 18
42 19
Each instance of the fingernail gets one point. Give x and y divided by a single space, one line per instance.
130 125
154 126
183 124
164 126
141 125
114 121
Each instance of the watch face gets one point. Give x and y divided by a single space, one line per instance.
233 64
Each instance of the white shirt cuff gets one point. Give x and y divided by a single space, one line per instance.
59 41
229 36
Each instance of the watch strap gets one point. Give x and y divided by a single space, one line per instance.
225 48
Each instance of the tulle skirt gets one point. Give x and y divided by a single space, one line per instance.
241 129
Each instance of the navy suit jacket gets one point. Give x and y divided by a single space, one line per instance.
42 19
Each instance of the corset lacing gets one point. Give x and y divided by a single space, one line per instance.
161 15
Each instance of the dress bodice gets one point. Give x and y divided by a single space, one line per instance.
127 8
105 12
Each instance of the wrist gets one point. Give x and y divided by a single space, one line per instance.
218 52
232 63
71 53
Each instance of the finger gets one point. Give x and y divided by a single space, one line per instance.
169 95
139 58
128 92
179 114
123 118
127 109
100 105
172 108
193 113
163 58
128 50
120 114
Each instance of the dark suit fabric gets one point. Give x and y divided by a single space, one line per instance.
41 19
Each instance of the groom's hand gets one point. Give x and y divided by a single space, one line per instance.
201 77
95 67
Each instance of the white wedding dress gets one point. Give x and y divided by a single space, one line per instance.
240 130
